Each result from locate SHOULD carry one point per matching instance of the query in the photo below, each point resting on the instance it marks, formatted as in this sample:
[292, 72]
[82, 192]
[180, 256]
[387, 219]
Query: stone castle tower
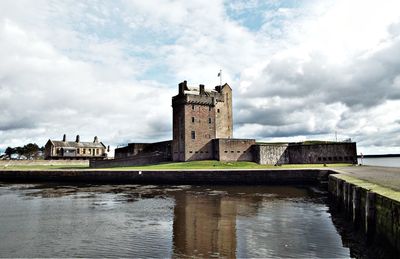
[199, 116]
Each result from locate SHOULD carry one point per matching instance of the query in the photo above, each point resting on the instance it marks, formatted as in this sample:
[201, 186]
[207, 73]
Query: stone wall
[300, 153]
[274, 176]
[178, 132]
[375, 215]
[327, 153]
[223, 113]
[134, 149]
[138, 160]
[199, 120]
[271, 154]
[234, 149]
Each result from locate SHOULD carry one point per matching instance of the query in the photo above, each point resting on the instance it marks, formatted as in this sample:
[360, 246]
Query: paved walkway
[384, 176]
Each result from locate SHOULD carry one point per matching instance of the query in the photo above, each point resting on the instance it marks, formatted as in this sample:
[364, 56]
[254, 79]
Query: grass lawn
[213, 164]
[205, 164]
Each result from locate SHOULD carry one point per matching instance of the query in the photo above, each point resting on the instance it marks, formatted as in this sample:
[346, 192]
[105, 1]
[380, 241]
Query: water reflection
[165, 221]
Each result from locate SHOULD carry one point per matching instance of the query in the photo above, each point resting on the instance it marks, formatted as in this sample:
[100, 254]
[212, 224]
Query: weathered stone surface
[375, 214]
[271, 154]
[234, 149]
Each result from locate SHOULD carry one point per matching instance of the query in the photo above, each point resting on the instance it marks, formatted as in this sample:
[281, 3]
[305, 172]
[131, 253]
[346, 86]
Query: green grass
[213, 164]
[205, 164]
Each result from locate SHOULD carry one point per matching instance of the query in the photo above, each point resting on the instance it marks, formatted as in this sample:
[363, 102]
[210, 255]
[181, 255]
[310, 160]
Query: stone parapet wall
[326, 153]
[300, 153]
[145, 159]
[234, 149]
[271, 154]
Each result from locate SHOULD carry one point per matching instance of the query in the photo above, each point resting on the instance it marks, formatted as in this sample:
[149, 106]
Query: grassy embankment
[207, 164]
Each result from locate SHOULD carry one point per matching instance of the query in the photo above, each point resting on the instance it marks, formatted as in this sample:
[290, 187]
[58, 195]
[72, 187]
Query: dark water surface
[175, 221]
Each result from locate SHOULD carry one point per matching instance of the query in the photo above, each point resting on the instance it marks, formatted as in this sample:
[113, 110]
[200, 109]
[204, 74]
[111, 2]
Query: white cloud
[109, 69]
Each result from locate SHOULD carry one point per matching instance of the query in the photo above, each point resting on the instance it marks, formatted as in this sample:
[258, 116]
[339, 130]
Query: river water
[380, 161]
[56, 220]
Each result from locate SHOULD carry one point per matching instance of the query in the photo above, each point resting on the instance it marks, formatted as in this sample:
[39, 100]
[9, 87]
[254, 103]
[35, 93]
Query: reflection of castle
[204, 225]
[203, 130]
[207, 224]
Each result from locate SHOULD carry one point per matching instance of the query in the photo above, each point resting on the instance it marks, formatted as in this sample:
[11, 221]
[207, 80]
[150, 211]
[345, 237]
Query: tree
[9, 151]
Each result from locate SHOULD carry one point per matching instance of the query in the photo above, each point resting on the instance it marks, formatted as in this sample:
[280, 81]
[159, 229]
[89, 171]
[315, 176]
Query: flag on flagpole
[219, 74]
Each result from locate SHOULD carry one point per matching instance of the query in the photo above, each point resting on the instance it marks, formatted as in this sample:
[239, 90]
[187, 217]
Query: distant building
[202, 129]
[63, 149]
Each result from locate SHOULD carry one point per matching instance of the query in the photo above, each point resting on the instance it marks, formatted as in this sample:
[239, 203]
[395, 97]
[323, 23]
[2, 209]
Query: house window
[209, 108]
[193, 135]
[192, 119]
[218, 110]
[84, 151]
[209, 120]
[97, 151]
[192, 106]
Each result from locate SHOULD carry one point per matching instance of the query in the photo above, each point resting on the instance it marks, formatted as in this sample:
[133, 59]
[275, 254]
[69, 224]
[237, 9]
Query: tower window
[209, 120]
[193, 135]
[218, 110]
[193, 119]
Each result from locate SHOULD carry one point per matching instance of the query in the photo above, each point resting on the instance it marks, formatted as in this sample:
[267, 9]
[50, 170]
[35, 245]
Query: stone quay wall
[275, 176]
[376, 215]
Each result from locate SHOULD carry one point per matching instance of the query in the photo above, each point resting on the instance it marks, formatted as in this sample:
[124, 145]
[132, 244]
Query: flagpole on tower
[220, 77]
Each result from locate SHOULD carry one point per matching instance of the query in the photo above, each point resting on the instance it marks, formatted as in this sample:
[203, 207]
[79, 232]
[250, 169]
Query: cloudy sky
[299, 69]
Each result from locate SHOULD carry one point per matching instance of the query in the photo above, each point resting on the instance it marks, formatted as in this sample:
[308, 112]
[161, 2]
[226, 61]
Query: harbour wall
[275, 176]
[376, 215]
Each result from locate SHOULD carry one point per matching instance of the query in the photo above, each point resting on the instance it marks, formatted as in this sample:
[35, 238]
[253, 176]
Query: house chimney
[77, 139]
[202, 90]
[108, 148]
[64, 138]
[96, 140]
